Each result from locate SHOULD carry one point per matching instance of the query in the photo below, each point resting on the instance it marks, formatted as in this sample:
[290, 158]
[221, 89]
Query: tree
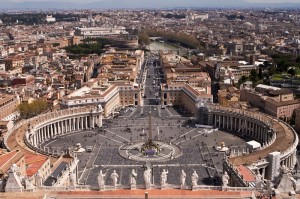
[144, 39]
[260, 74]
[30, 110]
[292, 71]
[272, 70]
[253, 75]
[242, 80]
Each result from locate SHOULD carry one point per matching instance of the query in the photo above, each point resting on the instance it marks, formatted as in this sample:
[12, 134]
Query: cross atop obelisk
[150, 127]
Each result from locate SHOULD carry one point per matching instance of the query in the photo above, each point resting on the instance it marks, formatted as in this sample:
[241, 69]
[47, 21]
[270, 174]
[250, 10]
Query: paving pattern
[196, 145]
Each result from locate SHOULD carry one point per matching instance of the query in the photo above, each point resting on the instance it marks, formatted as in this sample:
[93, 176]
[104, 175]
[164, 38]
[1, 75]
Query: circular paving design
[168, 151]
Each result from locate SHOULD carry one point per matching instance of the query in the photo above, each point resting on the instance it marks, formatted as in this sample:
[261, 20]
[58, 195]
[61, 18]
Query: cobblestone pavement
[196, 144]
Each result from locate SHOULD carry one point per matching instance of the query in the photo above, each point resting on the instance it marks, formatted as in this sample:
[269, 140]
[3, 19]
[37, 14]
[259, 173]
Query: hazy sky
[84, 1]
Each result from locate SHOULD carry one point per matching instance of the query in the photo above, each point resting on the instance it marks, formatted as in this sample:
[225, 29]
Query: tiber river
[162, 46]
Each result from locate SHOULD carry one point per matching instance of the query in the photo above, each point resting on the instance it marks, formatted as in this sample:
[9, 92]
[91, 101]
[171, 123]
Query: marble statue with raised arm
[101, 179]
[163, 177]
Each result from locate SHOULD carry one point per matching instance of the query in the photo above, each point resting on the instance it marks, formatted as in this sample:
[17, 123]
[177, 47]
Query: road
[153, 80]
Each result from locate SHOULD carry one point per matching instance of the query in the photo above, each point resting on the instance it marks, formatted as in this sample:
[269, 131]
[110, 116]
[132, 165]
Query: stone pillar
[78, 123]
[58, 128]
[227, 122]
[40, 135]
[235, 124]
[100, 120]
[70, 124]
[51, 130]
[47, 132]
[38, 132]
[34, 140]
[55, 129]
[86, 122]
[81, 122]
[43, 133]
[264, 173]
[62, 125]
[73, 124]
[65, 126]
[93, 121]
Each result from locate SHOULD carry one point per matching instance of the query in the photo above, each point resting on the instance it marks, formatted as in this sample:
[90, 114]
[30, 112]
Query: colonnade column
[93, 121]
[55, 128]
[86, 122]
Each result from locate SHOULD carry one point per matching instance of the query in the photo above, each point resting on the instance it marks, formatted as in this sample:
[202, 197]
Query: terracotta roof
[246, 173]
[280, 92]
[283, 103]
[8, 159]
[34, 163]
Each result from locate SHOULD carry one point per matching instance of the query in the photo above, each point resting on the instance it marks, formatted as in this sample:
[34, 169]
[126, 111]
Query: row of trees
[30, 110]
[286, 62]
[144, 39]
[189, 41]
[85, 49]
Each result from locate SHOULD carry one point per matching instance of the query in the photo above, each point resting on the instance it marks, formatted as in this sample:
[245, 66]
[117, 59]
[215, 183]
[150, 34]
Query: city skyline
[115, 4]
[85, 1]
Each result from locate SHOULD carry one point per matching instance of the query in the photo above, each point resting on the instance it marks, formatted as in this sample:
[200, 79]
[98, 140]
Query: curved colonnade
[57, 123]
[273, 134]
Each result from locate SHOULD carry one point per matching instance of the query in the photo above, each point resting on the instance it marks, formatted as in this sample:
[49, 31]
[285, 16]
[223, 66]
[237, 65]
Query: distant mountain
[114, 4]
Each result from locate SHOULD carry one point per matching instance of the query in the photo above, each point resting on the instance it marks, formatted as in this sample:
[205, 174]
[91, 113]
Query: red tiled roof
[6, 157]
[246, 173]
[34, 163]
[6, 160]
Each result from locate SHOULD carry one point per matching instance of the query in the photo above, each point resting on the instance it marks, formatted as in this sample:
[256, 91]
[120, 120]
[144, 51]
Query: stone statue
[101, 179]
[72, 179]
[163, 177]
[114, 176]
[147, 177]
[195, 179]
[283, 169]
[38, 179]
[133, 176]
[258, 177]
[225, 179]
[182, 178]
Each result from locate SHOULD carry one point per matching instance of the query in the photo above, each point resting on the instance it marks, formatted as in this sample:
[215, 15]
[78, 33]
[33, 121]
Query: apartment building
[101, 31]
[121, 65]
[110, 96]
[8, 106]
[12, 63]
[229, 96]
[274, 101]
[185, 95]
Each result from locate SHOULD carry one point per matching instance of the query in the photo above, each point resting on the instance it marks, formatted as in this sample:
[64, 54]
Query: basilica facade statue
[114, 176]
[195, 178]
[163, 177]
[182, 178]
[133, 177]
[147, 177]
[101, 179]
